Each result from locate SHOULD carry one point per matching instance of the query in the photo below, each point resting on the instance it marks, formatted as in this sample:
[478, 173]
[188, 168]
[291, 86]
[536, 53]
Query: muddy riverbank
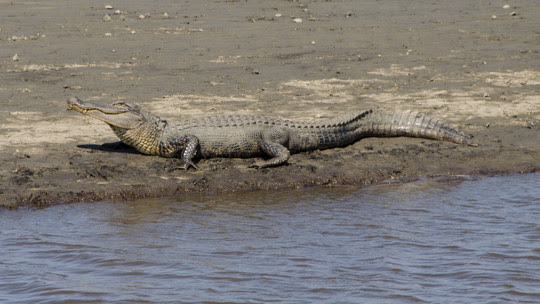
[475, 65]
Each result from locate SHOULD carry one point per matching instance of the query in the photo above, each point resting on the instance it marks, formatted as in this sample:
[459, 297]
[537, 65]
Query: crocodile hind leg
[273, 144]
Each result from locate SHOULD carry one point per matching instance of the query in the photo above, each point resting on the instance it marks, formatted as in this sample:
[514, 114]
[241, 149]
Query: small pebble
[117, 12]
[506, 6]
[512, 14]
[108, 35]
[15, 57]
[109, 7]
[132, 32]
[165, 15]
[278, 15]
[297, 20]
[313, 42]
[141, 16]
[486, 95]
[106, 18]
[493, 17]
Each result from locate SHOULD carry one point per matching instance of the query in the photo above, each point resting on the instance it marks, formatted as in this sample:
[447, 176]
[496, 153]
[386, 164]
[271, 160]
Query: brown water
[476, 241]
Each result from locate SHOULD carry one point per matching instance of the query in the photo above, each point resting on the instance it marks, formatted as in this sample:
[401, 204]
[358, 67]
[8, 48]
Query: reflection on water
[423, 242]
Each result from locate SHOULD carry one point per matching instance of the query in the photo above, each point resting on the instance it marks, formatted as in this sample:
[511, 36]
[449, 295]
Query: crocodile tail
[415, 124]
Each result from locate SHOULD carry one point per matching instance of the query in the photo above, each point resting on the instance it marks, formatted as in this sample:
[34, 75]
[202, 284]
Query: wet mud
[475, 65]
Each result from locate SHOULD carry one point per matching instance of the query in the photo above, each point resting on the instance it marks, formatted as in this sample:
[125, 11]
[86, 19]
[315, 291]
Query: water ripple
[421, 242]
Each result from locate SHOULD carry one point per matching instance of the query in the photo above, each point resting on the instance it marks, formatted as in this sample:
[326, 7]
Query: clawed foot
[185, 167]
[256, 165]
[266, 164]
[190, 164]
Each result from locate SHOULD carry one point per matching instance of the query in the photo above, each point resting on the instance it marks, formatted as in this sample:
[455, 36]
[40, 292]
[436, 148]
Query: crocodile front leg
[188, 144]
[273, 144]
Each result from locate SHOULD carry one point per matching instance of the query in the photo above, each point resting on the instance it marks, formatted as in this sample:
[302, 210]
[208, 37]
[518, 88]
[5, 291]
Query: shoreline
[452, 61]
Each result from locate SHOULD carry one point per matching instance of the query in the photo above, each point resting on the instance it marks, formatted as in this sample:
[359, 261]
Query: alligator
[258, 136]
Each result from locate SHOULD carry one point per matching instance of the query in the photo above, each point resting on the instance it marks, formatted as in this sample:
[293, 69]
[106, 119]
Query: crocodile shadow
[118, 147]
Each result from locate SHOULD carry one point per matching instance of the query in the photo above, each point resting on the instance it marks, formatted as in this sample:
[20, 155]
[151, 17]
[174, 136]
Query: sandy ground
[475, 64]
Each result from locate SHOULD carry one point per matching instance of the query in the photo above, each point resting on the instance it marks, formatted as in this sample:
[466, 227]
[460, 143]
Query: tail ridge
[416, 124]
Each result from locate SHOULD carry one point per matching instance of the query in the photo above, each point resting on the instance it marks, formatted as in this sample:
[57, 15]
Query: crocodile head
[135, 127]
[120, 114]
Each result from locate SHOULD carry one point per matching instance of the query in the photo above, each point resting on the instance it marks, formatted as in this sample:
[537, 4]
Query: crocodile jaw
[119, 115]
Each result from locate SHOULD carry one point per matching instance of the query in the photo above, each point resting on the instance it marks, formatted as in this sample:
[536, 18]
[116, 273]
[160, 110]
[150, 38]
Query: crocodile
[258, 136]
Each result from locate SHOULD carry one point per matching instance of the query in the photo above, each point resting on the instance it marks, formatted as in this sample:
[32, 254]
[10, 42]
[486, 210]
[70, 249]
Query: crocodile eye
[127, 106]
[120, 104]
[133, 107]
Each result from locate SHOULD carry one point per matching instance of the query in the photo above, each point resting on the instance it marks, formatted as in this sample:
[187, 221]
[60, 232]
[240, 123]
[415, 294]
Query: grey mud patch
[227, 57]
